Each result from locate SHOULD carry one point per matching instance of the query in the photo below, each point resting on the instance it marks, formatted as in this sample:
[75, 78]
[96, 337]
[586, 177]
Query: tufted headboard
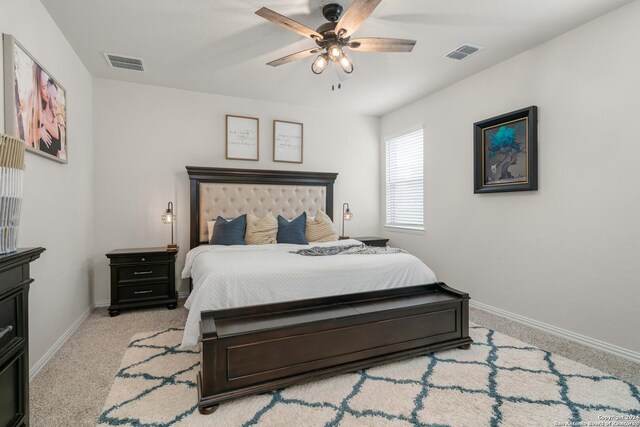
[232, 192]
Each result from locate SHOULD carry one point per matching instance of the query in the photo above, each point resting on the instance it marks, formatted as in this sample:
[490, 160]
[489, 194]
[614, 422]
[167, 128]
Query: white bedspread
[237, 276]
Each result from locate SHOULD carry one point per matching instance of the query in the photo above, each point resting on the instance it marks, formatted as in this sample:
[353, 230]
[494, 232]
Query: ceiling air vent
[119, 61]
[463, 51]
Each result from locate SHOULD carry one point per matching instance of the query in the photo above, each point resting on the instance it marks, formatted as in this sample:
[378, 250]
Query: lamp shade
[348, 215]
[319, 64]
[346, 64]
[335, 52]
[168, 216]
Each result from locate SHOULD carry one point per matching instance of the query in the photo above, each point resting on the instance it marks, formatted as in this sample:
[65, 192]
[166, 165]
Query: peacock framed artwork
[506, 152]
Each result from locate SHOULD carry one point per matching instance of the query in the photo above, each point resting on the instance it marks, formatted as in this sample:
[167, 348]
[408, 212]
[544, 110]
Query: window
[405, 180]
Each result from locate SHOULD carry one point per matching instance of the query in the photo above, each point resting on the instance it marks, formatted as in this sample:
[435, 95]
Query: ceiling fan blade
[354, 16]
[377, 44]
[294, 57]
[288, 23]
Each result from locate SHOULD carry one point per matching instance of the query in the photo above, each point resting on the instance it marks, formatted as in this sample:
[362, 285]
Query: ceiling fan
[334, 36]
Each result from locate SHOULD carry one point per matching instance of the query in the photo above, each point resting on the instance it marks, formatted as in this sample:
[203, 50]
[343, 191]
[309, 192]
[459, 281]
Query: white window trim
[393, 228]
[407, 230]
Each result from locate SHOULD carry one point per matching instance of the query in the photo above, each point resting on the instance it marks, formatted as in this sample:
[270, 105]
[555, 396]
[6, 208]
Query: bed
[239, 276]
[234, 285]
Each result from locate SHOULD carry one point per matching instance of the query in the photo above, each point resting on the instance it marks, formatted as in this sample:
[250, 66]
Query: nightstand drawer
[13, 405]
[11, 328]
[151, 291]
[143, 272]
[140, 259]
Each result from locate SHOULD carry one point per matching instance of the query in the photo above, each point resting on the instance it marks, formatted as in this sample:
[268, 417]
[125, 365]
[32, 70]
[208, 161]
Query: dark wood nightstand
[142, 277]
[373, 241]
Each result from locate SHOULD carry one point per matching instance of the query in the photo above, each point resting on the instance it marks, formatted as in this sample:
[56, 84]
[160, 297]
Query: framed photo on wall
[35, 103]
[506, 152]
[287, 141]
[242, 141]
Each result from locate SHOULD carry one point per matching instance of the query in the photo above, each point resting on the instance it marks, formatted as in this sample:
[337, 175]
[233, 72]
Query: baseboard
[563, 333]
[58, 344]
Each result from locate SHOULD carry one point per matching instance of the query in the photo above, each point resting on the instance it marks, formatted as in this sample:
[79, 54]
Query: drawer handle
[140, 273]
[5, 331]
[142, 292]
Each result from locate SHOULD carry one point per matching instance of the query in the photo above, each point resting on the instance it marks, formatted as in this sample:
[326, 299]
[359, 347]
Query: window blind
[405, 180]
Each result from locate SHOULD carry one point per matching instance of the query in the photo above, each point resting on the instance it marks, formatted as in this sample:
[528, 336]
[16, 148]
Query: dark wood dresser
[372, 241]
[142, 277]
[14, 336]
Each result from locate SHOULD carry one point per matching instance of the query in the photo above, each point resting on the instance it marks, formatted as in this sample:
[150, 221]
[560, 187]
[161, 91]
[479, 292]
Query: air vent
[456, 55]
[463, 51]
[127, 63]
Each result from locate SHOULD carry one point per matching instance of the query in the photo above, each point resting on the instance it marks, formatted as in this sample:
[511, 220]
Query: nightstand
[142, 277]
[372, 241]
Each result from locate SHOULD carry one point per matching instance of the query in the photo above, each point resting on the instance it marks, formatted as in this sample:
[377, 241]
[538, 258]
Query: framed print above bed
[242, 138]
[35, 103]
[287, 141]
[506, 152]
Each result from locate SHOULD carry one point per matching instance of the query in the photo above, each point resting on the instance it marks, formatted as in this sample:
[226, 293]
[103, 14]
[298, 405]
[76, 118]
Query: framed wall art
[506, 152]
[242, 138]
[287, 141]
[35, 103]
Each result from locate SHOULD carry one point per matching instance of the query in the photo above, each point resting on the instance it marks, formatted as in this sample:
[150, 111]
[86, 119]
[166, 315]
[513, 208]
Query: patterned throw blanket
[348, 250]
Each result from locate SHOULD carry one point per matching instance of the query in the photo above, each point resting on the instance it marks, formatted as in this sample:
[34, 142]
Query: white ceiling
[221, 46]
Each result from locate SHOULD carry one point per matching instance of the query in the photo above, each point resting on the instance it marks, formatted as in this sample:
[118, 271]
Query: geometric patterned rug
[500, 381]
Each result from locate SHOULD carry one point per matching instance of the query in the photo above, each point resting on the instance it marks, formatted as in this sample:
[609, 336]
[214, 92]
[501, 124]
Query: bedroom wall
[57, 206]
[146, 135]
[567, 254]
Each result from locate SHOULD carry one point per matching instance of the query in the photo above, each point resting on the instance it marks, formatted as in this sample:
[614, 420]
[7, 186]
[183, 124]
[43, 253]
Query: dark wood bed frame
[199, 175]
[250, 350]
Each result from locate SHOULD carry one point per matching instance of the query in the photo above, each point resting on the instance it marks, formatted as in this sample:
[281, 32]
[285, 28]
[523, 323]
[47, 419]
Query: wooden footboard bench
[255, 349]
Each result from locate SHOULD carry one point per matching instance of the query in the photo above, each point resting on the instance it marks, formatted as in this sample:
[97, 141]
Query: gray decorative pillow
[229, 232]
[292, 231]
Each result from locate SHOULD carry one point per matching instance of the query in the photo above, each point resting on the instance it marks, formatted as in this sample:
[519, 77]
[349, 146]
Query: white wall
[146, 135]
[57, 206]
[566, 255]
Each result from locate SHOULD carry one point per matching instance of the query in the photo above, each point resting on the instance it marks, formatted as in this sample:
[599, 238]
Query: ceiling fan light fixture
[319, 64]
[346, 64]
[334, 35]
[335, 52]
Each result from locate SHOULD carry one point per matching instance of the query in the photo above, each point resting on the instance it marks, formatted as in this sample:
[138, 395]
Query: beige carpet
[71, 388]
[500, 381]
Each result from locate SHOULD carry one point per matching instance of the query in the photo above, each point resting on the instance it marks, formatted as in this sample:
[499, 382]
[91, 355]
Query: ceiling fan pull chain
[333, 80]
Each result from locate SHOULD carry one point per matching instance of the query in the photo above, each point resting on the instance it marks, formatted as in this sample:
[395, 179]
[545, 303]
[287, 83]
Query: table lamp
[168, 217]
[346, 216]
